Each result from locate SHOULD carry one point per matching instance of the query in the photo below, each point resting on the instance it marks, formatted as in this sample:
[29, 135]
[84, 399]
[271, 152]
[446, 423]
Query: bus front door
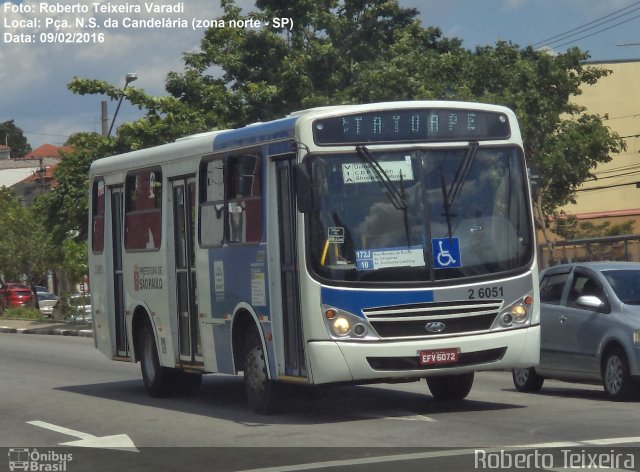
[292, 324]
[117, 220]
[184, 211]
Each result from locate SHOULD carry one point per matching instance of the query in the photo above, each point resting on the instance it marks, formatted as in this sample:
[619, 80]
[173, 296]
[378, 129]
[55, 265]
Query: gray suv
[590, 328]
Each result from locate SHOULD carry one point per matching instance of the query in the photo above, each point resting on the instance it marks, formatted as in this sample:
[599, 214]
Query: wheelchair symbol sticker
[446, 253]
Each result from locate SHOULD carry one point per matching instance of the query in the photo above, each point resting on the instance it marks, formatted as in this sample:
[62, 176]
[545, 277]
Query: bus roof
[196, 145]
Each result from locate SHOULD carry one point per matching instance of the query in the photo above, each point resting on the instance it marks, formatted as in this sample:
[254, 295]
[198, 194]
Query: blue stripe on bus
[354, 301]
[255, 134]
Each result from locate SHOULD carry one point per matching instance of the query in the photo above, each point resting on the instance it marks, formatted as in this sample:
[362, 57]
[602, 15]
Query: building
[33, 173]
[615, 194]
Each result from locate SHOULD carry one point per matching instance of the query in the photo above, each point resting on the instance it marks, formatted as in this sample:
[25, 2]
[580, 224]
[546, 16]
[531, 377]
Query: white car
[47, 302]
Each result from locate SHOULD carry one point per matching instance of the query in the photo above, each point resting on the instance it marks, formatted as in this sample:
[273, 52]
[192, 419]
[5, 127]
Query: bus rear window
[97, 217]
[143, 210]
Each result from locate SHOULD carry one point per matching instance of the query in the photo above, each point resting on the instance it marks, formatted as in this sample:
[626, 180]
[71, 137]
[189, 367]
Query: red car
[16, 295]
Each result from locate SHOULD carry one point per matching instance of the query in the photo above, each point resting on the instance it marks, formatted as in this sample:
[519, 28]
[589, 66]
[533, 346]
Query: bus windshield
[424, 215]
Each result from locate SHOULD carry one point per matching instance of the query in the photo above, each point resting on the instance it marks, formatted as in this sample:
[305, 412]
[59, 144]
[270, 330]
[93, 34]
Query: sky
[35, 68]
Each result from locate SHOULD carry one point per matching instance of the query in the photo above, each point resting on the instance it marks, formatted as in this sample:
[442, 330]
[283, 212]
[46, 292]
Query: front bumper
[339, 361]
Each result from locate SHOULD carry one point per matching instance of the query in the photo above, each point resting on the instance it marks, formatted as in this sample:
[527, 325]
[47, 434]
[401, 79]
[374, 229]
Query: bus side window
[212, 203]
[97, 217]
[244, 199]
[143, 210]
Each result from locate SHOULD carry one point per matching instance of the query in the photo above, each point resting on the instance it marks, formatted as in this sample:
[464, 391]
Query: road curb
[87, 333]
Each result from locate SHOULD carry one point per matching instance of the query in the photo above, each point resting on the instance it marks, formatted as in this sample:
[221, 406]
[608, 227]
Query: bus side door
[292, 323]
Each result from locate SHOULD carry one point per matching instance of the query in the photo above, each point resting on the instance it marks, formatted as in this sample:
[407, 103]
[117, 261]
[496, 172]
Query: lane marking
[118, 441]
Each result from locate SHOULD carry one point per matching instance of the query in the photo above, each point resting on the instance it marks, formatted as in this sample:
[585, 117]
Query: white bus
[345, 244]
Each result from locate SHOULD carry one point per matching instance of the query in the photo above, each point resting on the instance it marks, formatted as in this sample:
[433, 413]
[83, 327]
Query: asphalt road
[59, 393]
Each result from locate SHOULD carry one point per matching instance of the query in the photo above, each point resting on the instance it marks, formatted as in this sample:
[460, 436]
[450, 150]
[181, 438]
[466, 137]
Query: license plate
[439, 356]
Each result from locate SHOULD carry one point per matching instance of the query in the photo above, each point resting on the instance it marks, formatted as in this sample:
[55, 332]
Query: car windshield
[425, 215]
[626, 284]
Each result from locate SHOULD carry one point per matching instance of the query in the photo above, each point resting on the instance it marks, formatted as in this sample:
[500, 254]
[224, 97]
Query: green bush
[23, 313]
[66, 309]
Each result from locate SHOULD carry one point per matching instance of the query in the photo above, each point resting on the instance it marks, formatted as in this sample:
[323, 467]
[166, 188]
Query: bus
[344, 244]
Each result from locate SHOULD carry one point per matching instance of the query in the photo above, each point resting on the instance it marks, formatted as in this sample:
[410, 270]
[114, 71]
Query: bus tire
[450, 387]
[260, 390]
[157, 379]
[527, 380]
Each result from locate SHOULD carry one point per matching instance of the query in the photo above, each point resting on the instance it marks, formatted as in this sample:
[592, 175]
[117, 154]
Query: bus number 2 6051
[486, 292]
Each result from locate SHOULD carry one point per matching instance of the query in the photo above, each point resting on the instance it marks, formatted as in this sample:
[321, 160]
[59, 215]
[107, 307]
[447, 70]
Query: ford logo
[435, 327]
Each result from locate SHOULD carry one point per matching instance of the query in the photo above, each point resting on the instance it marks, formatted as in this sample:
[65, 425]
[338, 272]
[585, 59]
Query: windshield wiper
[461, 174]
[449, 197]
[396, 197]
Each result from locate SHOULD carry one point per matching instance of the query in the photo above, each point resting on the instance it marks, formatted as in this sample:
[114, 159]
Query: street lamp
[128, 78]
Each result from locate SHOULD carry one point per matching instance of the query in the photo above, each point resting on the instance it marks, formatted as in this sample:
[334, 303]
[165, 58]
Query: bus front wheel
[260, 390]
[450, 387]
[157, 379]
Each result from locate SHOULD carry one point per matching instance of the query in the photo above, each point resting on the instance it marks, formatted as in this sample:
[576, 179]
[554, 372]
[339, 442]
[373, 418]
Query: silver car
[590, 328]
[47, 302]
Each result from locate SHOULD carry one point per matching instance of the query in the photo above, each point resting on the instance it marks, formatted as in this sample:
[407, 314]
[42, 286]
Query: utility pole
[104, 119]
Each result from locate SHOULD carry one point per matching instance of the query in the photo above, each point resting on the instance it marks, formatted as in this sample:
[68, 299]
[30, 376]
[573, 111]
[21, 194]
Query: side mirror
[590, 302]
[304, 190]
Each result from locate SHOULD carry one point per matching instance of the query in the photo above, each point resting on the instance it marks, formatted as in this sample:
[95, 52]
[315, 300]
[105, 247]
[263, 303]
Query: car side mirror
[590, 302]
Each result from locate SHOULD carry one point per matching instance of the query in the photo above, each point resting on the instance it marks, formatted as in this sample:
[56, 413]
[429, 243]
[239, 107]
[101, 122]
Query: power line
[618, 169]
[617, 176]
[551, 41]
[607, 187]
[595, 32]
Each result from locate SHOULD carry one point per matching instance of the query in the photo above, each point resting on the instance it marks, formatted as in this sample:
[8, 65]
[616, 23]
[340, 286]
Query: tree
[12, 136]
[65, 208]
[75, 264]
[319, 62]
[26, 247]
[570, 228]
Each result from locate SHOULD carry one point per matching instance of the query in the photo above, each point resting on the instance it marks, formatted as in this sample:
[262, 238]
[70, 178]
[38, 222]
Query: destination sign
[412, 125]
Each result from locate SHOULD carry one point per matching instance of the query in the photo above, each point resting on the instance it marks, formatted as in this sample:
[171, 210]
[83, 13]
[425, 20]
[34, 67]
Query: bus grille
[426, 320]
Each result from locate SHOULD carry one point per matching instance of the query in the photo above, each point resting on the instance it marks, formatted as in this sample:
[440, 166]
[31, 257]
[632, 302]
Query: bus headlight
[340, 326]
[346, 326]
[636, 337]
[517, 313]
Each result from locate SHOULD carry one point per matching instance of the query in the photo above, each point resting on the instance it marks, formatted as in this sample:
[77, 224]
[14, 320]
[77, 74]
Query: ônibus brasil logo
[23, 458]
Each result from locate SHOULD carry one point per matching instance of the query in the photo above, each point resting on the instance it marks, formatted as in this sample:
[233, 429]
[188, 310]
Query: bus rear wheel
[260, 390]
[450, 387]
[157, 379]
